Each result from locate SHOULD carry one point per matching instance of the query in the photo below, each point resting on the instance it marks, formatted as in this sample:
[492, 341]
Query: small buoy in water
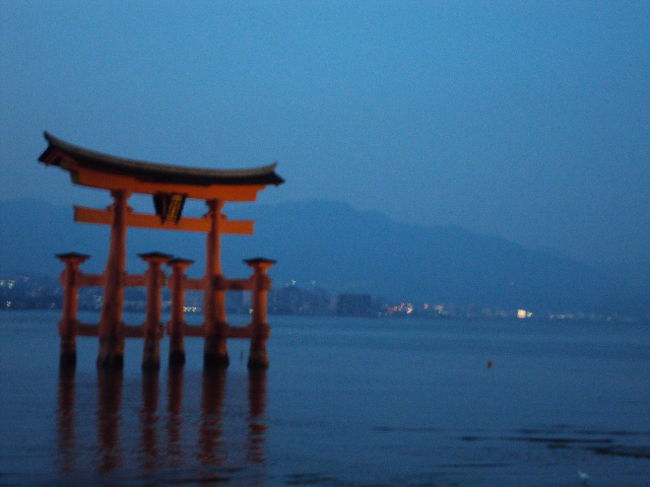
[490, 364]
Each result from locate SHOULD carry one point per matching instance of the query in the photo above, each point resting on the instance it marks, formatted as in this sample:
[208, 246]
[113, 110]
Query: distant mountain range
[332, 245]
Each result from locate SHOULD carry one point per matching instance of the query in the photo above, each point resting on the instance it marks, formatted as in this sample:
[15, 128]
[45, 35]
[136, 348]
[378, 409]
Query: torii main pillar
[111, 337]
[214, 300]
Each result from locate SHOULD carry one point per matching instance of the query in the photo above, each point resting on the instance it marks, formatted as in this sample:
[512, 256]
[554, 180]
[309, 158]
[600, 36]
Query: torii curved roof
[62, 154]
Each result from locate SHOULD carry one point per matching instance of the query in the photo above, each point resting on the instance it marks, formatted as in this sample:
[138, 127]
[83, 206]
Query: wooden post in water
[215, 353]
[69, 321]
[177, 322]
[111, 328]
[258, 359]
[152, 330]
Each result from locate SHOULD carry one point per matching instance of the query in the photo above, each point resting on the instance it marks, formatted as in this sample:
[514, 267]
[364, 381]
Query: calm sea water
[346, 402]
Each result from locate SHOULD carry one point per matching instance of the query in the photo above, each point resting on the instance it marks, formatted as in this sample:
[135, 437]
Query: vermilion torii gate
[170, 186]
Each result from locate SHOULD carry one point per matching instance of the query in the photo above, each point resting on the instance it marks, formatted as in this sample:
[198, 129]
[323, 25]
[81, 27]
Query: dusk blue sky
[526, 120]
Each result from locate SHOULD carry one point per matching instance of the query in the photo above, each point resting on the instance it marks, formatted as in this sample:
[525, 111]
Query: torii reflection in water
[135, 435]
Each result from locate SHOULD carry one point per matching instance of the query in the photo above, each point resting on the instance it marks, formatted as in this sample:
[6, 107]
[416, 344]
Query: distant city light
[406, 308]
[522, 314]
[10, 283]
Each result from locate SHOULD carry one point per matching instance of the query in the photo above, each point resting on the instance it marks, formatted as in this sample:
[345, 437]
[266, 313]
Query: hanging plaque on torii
[169, 186]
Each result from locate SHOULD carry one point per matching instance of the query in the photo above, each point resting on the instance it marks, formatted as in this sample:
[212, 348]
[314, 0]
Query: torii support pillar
[258, 359]
[69, 322]
[215, 353]
[177, 321]
[111, 328]
[152, 329]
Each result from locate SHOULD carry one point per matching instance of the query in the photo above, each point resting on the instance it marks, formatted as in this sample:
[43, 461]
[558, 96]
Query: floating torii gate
[170, 186]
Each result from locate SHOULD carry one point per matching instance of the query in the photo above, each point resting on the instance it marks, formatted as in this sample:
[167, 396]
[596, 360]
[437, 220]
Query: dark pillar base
[111, 362]
[176, 357]
[258, 361]
[110, 355]
[151, 363]
[215, 360]
[68, 360]
[215, 353]
[151, 354]
[68, 349]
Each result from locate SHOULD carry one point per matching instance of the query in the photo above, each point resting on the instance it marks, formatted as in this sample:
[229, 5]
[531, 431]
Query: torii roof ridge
[152, 171]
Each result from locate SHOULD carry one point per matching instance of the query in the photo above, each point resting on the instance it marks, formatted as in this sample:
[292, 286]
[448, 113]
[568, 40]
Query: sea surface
[346, 402]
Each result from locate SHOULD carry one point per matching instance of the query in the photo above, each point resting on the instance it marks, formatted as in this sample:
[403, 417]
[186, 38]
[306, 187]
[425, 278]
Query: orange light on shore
[522, 314]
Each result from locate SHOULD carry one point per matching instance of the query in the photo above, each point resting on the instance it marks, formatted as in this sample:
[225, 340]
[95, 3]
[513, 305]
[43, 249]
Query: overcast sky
[527, 120]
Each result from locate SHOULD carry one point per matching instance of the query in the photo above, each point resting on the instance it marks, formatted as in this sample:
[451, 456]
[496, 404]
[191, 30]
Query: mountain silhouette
[342, 249]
